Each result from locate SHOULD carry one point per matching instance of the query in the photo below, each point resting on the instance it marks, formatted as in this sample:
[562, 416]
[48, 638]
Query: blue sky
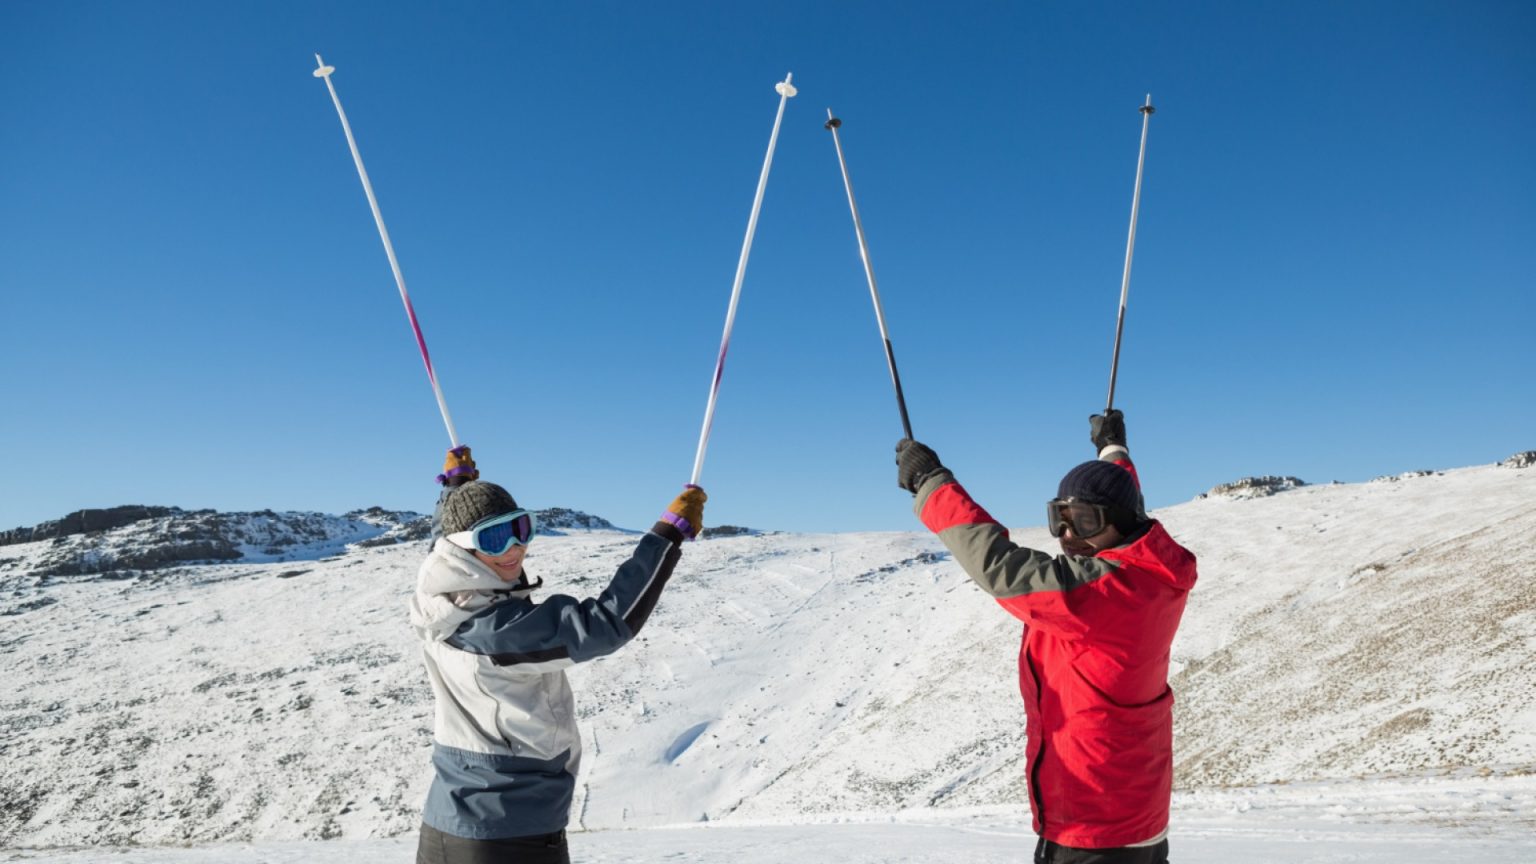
[1332, 272]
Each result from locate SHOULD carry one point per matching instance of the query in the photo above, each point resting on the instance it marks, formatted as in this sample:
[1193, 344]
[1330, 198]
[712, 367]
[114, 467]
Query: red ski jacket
[1093, 666]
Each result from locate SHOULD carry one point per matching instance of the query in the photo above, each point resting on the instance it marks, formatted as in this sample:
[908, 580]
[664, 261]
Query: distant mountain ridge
[82, 521]
[124, 540]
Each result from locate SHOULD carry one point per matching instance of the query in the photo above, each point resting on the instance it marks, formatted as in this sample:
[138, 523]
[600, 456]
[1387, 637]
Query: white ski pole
[1130, 246]
[869, 273]
[324, 72]
[785, 90]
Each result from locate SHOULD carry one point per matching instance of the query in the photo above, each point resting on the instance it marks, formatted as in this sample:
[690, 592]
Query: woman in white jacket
[505, 744]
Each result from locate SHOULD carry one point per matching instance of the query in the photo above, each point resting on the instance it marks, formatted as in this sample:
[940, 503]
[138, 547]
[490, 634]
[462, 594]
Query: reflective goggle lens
[502, 533]
[1083, 518]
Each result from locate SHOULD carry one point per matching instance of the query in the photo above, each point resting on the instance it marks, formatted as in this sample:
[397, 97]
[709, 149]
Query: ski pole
[324, 72]
[869, 273]
[1130, 246]
[785, 90]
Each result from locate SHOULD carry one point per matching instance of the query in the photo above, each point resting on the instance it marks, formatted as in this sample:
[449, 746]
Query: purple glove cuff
[679, 523]
[442, 479]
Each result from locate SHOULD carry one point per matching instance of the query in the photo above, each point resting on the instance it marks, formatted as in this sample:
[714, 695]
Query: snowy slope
[1337, 631]
[1375, 822]
[1362, 629]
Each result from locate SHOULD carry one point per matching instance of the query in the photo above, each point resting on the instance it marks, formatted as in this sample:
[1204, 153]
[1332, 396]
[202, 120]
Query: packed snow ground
[786, 682]
[1359, 822]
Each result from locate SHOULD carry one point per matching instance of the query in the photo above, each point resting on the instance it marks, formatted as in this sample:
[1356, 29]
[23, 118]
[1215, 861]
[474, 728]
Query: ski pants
[1047, 852]
[435, 847]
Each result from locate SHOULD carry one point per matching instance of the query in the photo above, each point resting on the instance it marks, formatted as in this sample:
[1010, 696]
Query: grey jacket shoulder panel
[1004, 569]
[983, 549]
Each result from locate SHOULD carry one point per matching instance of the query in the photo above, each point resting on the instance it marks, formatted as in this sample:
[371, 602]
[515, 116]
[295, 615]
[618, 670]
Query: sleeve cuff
[928, 486]
[667, 531]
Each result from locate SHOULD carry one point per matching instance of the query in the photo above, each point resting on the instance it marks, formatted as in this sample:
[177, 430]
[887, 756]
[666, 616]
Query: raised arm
[1107, 432]
[1028, 583]
[458, 469]
[563, 630]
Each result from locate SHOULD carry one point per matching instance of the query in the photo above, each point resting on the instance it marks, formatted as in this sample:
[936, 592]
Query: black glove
[1107, 429]
[914, 464]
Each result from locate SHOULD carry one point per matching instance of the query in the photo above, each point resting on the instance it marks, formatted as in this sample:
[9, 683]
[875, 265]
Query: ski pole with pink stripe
[324, 72]
[785, 90]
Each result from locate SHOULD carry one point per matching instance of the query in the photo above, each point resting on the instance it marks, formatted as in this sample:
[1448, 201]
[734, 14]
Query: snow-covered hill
[128, 542]
[1337, 631]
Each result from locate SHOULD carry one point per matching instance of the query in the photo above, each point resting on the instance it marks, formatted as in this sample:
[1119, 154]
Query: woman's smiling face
[508, 565]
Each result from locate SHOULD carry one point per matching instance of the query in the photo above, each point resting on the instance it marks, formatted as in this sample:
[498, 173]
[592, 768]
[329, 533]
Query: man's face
[509, 564]
[1068, 518]
[1089, 546]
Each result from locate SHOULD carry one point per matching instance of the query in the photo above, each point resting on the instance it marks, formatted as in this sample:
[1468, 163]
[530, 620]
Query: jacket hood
[451, 586]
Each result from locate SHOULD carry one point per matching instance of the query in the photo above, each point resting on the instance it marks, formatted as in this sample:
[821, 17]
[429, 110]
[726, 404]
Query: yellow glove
[458, 467]
[686, 512]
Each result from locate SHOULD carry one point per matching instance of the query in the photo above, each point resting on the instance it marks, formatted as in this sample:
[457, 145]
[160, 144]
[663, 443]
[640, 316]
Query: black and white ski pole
[833, 124]
[785, 90]
[1130, 246]
[324, 72]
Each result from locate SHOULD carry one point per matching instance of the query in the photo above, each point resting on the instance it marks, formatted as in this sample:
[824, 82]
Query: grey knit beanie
[473, 502]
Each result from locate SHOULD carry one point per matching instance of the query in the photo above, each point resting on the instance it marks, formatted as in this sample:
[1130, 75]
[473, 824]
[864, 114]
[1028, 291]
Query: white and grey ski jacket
[506, 748]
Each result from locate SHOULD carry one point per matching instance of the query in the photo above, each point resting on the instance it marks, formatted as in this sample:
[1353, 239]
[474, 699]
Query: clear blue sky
[1332, 274]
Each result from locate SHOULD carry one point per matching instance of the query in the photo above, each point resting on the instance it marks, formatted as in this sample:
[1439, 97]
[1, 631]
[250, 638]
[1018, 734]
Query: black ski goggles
[494, 536]
[1083, 518]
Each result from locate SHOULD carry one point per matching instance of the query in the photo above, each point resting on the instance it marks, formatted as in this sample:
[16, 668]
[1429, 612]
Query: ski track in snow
[792, 692]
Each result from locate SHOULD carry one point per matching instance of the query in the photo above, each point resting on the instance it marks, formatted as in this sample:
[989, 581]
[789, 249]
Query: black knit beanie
[473, 502]
[1105, 483]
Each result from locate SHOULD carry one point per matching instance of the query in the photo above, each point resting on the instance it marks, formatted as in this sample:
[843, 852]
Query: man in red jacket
[1093, 667]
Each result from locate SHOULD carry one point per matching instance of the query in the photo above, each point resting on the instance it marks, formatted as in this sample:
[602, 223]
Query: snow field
[851, 692]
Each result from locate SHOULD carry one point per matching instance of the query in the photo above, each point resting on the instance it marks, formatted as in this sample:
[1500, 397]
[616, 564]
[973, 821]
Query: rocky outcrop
[727, 531]
[84, 522]
[125, 541]
[175, 537]
[1406, 475]
[560, 517]
[401, 527]
[1254, 487]
[1526, 459]
[91, 559]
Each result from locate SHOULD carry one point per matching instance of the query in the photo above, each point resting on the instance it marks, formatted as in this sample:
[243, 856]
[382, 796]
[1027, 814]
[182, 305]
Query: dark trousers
[1047, 852]
[435, 847]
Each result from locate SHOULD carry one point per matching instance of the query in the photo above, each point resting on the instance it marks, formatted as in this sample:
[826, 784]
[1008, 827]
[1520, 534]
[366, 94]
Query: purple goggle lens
[495, 536]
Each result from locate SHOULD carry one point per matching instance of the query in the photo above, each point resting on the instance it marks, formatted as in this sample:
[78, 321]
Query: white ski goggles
[494, 536]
